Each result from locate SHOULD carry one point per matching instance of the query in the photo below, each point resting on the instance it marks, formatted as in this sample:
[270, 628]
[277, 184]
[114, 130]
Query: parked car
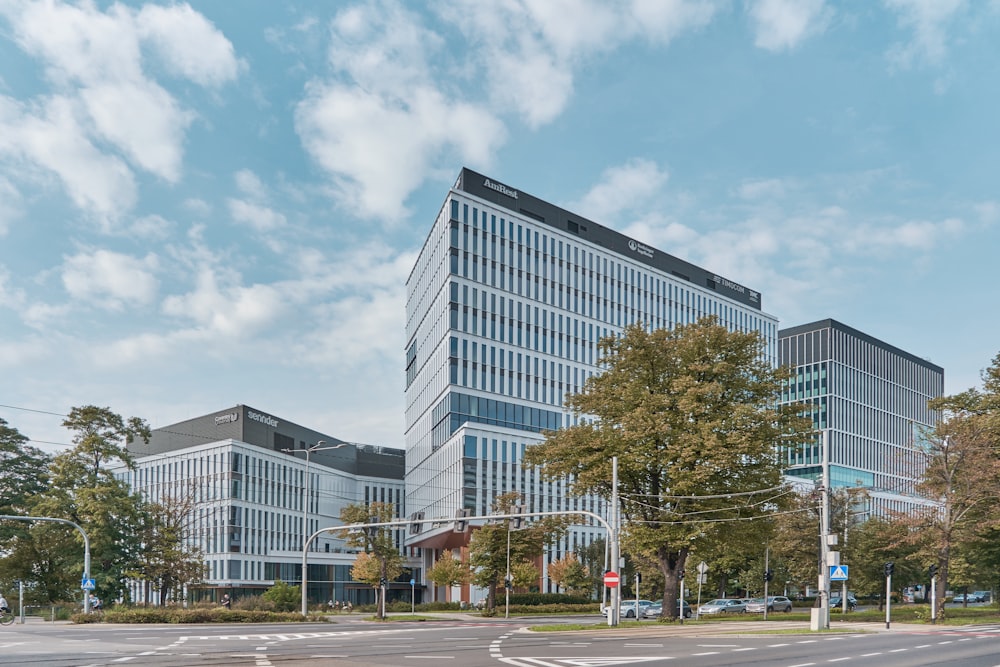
[627, 609]
[656, 609]
[984, 596]
[722, 606]
[835, 601]
[774, 603]
[966, 597]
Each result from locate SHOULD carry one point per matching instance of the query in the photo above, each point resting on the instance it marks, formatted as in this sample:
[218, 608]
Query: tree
[488, 548]
[449, 571]
[377, 542]
[84, 489]
[570, 573]
[692, 416]
[593, 558]
[171, 559]
[23, 475]
[963, 475]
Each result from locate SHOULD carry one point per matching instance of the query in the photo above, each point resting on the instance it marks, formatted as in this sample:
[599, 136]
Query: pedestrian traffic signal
[889, 569]
[768, 575]
[680, 575]
[383, 582]
[932, 571]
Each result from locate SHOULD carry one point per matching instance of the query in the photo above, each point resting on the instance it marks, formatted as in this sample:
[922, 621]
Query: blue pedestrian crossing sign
[88, 584]
[838, 573]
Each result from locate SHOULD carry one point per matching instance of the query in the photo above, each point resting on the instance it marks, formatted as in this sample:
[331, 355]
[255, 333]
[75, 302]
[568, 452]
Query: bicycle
[6, 617]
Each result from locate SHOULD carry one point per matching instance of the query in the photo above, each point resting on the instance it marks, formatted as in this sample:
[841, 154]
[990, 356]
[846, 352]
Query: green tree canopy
[488, 548]
[692, 415]
[383, 560]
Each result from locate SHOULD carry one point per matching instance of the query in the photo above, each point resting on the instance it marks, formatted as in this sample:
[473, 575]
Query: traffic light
[768, 575]
[461, 521]
[680, 575]
[932, 571]
[416, 523]
[509, 584]
[517, 522]
[889, 569]
[383, 582]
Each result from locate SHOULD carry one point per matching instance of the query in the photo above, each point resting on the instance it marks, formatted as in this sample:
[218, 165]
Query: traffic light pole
[888, 594]
[933, 599]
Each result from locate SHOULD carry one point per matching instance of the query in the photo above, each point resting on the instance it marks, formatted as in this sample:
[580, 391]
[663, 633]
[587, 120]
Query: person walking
[226, 602]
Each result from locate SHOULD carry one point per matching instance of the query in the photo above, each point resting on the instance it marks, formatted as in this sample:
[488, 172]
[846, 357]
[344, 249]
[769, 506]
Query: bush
[284, 596]
[533, 599]
[197, 614]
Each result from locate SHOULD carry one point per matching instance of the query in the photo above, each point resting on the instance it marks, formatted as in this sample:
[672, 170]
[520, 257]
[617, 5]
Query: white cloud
[260, 218]
[379, 148]
[189, 45]
[250, 185]
[10, 297]
[93, 60]
[398, 103]
[10, 203]
[109, 279]
[762, 189]
[151, 227]
[219, 307]
[528, 52]
[929, 21]
[784, 24]
[622, 188]
[50, 135]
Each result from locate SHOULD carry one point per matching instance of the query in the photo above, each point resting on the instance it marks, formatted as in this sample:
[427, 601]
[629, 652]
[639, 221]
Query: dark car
[655, 610]
[836, 603]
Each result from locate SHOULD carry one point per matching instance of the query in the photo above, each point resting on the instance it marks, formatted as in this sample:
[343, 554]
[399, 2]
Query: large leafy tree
[693, 418]
[23, 475]
[171, 559]
[382, 560]
[962, 474]
[488, 549]
[84, 489]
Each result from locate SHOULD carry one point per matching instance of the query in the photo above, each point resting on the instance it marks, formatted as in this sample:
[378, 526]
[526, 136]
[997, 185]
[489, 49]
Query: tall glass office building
[871, 398]
[505, 307]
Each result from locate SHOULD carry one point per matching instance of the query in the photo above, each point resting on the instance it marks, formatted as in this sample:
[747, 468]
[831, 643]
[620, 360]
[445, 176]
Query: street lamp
[318, 447]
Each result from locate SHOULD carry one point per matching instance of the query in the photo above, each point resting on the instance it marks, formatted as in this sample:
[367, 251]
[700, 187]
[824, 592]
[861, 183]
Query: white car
[627, 609]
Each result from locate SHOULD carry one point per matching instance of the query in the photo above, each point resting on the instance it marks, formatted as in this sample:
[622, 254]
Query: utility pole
[615, 609]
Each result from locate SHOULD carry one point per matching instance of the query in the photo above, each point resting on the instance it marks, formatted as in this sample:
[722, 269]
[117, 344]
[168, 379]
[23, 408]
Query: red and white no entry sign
[611, 579]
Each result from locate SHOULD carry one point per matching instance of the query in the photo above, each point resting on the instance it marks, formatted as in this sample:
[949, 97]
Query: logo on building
[501, 188]
[729, 284]
[227, 419]
[640, 248]
[263, 419]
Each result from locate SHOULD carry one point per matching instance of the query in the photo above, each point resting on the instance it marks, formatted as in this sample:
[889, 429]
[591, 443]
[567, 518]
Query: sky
[218, 203]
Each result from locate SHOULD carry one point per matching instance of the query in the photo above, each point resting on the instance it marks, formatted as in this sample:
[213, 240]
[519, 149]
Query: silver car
[774, 603]
[722, 606]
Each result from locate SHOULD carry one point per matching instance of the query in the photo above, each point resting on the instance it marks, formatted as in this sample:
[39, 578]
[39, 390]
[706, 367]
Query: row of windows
[457, 408]
[583, 274]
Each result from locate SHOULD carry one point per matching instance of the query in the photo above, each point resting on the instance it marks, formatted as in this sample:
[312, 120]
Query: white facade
[505, 307]
[247, 517]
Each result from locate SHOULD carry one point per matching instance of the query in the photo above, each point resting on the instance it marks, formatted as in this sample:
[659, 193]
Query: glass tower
[505, 306]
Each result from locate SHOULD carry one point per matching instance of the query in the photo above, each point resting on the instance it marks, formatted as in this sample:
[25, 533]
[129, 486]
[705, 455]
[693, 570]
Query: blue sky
[219, 203]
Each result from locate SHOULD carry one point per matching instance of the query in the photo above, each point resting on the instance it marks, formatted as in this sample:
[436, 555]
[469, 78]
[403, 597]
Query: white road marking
[837, 659]
[868, 655]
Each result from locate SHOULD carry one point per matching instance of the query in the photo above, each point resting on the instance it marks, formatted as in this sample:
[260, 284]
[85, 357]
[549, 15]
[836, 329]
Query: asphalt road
[477, 643]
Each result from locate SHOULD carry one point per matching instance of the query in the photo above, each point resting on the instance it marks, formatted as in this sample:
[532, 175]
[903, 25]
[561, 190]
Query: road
[478, 643]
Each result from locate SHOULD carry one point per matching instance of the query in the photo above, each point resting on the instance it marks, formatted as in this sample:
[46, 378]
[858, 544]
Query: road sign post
[611, 579]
